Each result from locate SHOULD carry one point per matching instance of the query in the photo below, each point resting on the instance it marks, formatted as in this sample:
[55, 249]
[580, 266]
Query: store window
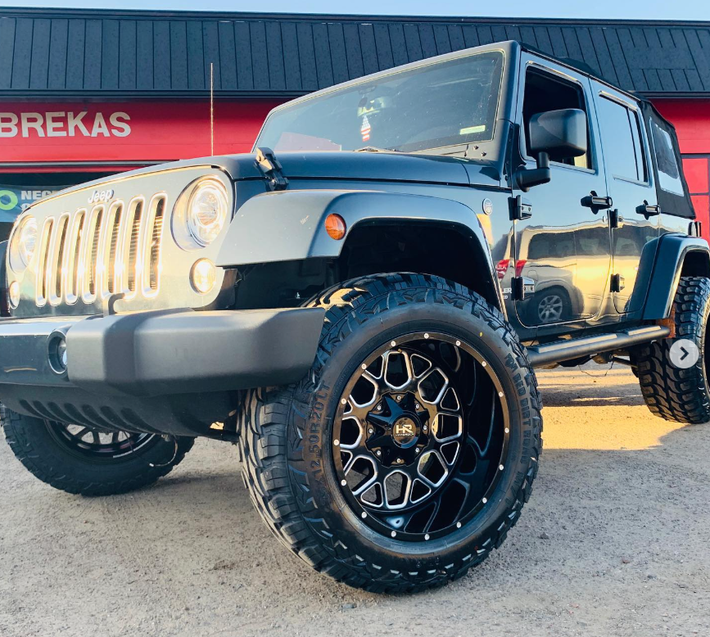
[18, 191]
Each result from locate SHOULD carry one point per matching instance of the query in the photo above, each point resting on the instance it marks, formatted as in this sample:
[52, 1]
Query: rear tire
[294, 467]
[680, 395]
[81, 465]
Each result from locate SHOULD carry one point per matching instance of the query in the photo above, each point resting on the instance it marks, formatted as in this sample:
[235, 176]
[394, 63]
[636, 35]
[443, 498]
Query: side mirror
[561, 134]
[553, 135]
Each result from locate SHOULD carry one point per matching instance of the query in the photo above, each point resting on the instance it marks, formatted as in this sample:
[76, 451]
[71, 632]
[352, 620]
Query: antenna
[211, 108]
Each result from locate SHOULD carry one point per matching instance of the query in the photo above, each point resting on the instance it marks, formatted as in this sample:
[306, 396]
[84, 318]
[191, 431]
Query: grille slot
[114, 224]
[72, 259]
[132, 256]
[57, 247]
[93, 254]
[154, 236]
[90, 241]
[42, 270]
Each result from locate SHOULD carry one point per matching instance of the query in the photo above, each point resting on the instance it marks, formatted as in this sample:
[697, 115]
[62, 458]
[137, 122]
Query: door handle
[648, 210]
[596, 203]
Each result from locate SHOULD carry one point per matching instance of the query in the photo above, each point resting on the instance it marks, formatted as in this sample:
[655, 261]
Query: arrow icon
[684, 353]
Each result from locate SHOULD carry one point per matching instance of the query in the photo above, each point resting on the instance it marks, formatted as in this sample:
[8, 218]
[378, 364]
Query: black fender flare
[290, 225]
[673, 251]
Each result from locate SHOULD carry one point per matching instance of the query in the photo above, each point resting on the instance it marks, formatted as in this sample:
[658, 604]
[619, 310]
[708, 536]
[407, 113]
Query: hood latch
[271, 168]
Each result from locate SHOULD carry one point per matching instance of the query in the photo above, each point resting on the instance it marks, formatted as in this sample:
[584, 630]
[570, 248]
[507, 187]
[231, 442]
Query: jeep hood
[340, 166]
[370, 166]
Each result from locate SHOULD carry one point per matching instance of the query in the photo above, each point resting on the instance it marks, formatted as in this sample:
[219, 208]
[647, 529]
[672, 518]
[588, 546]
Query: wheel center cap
[405, 432]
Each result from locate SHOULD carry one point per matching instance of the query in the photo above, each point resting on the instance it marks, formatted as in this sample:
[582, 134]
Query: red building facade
[691, 119]
[89, 93]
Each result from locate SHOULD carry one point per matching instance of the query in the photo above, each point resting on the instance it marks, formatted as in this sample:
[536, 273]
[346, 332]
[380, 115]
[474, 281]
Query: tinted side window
[623, 151]
[546, 92]
[668, 172]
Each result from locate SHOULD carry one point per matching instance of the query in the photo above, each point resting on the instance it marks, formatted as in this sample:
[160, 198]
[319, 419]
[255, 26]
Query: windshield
[440, 104]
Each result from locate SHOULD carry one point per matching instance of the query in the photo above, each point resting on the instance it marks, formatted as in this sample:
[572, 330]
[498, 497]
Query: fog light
[14, 294]
[58, 353]
[203, 276]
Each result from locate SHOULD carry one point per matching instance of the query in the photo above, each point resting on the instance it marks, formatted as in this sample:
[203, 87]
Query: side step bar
[592, 345]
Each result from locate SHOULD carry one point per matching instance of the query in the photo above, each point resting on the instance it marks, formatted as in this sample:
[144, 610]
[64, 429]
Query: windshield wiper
[374, 149]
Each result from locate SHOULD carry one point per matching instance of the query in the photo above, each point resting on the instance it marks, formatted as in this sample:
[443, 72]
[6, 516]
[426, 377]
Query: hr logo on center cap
[684, 353]
[404, 431]
[403, 428]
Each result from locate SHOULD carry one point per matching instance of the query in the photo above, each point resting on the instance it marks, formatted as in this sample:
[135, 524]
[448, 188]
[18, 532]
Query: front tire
[87, 461]
[297, 470]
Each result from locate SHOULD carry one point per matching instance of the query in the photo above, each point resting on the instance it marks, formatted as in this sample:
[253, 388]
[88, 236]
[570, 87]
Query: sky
[610, 9]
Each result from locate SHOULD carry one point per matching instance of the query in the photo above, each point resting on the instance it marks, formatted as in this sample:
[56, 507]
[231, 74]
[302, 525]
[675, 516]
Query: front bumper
[147, 360]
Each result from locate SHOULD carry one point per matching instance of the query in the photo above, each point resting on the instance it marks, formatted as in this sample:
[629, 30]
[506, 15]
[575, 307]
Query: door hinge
[615, 219]
[519, 209]
[271, 168]
[617, 283]
[520, 286]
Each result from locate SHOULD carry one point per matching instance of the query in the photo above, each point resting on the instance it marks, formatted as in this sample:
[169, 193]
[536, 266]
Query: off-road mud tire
[47, 459]
[680, 395]
[286, 446]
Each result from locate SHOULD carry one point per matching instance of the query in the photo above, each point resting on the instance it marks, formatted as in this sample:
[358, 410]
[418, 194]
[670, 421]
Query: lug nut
[371, 430]
[418, 449]
[425, 428]
[379, 407]
[378, 452]
[417, 406]
[398, 398]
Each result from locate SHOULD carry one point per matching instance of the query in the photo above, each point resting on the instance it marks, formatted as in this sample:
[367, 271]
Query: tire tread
[281, 492]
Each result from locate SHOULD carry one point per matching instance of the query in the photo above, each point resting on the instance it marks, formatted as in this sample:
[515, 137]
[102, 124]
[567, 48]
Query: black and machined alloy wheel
[406, 454]
[88, 461]
[673, 393]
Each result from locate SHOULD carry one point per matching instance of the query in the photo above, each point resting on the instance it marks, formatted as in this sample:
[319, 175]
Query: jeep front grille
[92, 254]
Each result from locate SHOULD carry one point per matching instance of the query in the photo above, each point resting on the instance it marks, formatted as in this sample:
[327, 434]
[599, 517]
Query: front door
[631, 188]
[563, 252]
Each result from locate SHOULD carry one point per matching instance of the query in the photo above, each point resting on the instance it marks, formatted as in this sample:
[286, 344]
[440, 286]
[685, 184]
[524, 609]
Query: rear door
[633, 217]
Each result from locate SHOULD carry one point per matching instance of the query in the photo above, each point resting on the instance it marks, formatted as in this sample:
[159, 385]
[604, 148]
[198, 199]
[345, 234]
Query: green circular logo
[8, 200]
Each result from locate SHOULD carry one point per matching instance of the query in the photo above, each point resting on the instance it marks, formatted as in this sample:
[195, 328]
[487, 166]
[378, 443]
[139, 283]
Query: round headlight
[207, 211]
[24, 243]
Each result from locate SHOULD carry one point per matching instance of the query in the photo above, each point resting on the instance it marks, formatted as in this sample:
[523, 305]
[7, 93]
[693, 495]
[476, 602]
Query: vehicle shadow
[618, 526]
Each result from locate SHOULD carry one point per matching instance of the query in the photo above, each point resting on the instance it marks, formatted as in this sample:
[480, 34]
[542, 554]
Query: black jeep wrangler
[364, 323]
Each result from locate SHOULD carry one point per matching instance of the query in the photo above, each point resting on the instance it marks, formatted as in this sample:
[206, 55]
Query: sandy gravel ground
[615, 541]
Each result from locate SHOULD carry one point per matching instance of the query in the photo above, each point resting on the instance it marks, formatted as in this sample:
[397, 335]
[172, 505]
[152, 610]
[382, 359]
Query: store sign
[64, 124]
[127, 131]
[14, 200]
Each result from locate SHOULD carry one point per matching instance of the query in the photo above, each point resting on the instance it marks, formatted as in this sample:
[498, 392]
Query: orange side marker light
[335, 226]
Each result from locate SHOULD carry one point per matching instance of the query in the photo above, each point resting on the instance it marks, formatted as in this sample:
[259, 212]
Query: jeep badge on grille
[101, 196]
